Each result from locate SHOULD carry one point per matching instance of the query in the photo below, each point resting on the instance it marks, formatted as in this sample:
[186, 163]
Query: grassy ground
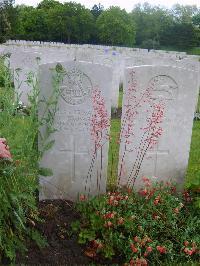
[113, 152]
[120, 99]
[194, 161]
[194, 51]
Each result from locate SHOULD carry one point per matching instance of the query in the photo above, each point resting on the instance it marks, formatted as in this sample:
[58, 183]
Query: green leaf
[45, 172]
[49, 145]
[75, 226]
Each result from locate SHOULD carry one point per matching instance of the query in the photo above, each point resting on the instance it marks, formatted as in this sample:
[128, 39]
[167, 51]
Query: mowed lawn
[193, 172]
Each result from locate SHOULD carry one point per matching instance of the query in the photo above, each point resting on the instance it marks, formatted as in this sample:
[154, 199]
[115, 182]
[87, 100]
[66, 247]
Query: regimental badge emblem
[76, 87]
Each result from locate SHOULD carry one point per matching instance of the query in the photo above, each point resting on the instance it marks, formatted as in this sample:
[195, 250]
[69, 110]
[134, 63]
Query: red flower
[149, 249]
[136, 239]
[157, 200]
[155, 216]
[143, 192]
[133, 248]
[108, 224]
[145, 179]
[120, 221]
[161, 249]
[82, 197]
[176, 210]
[109, 215]
[100, 121]
[188, 251]
[186, 243]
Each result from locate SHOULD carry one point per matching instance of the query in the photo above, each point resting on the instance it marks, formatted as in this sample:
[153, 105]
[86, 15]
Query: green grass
[113, 152]
[198, 105]
[194, 161]
[120, 99]
[194, 51]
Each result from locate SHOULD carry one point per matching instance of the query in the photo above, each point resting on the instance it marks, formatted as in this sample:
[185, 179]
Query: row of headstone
[160, 94]
[103, 56]
[156, 127]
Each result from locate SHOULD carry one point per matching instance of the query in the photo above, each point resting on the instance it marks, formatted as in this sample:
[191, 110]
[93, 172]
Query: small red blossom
[129, 190]
[133, 248]
[136, 239]
[82, 197]
[187, 196]
[143, 192]
[155, 216]
[157, 200]
[188, 251]
[100, 121]
[109, 215]
[108, 224]
[149, 249]
[186, 243]
[145, 179]
[176, 210]
[120, 221]
[161, 249]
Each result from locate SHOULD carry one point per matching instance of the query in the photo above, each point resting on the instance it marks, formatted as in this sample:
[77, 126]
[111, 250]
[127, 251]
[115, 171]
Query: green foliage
[157, 225]
[193, 173]
[19, 178]
[150, 44]
[146, 26]
[97, 10]
[151, 21]
[180, 35]
[116, 27]
[113, 155]
[8, 20]
[51, 20]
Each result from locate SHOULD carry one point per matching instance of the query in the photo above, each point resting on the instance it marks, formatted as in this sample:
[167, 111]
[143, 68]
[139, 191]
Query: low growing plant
[153, 226]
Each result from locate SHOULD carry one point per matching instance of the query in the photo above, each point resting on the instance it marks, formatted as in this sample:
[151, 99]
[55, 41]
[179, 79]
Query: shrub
[19, 179]
[155, 225]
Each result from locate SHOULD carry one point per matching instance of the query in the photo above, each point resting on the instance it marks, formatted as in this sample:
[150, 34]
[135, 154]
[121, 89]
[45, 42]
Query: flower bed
[155, 225]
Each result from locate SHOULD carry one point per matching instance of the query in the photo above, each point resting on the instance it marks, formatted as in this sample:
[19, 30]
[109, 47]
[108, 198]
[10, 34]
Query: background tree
[97, 10]
[116, 27]
[146, 26]
[7, 19]
[151, 21]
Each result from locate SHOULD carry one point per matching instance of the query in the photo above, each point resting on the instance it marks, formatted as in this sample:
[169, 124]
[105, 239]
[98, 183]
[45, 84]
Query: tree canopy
[146, 26]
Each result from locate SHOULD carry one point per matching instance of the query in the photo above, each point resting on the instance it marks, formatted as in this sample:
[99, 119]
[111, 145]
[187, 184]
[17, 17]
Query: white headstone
[80, 154]
[22, 63]
[157, 117]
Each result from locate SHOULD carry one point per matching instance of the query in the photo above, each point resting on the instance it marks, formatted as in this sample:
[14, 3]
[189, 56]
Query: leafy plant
[155, 225]
[19, 179]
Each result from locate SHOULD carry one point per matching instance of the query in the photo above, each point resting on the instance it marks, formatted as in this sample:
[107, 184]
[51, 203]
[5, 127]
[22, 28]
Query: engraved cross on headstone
[157, 153]
[73, 153]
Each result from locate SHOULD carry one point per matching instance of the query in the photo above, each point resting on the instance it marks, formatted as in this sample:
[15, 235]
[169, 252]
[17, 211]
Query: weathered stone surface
[82, 124]
[22, 64]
